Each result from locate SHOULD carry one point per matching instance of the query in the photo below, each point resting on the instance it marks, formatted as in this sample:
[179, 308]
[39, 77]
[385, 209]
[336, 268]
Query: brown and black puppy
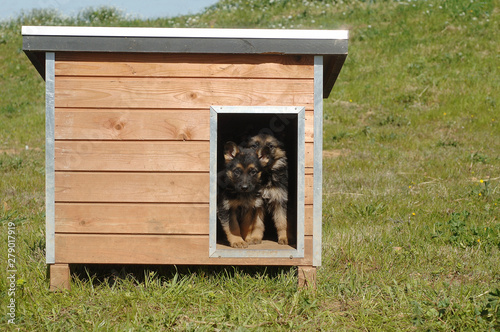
[274, 183]
[240, 207]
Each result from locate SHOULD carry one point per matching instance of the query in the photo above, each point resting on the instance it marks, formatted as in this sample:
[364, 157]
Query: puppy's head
[243, 167]
[264, 141]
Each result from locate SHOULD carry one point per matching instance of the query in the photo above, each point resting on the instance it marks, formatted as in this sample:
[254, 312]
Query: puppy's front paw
[254, 241]
[239, 244]
[283, 240]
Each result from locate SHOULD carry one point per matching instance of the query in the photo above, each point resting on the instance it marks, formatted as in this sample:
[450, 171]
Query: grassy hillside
[411, 184]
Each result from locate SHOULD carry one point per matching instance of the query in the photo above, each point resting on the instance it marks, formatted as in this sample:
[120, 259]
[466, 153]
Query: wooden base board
[156, 249]
[59, 277]
[307, 276]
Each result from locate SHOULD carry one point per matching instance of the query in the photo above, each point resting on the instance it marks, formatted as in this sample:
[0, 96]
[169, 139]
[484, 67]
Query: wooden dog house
[133, 116]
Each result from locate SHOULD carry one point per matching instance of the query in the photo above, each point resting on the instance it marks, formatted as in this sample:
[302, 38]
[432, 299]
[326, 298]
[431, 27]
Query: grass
[411, 185]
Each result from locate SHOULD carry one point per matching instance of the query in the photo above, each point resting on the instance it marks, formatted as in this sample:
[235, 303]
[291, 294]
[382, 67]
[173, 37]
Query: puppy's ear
[264, 155]
[230, 151]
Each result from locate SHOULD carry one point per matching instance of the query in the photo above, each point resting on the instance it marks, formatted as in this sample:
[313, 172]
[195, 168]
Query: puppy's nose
[244, 187]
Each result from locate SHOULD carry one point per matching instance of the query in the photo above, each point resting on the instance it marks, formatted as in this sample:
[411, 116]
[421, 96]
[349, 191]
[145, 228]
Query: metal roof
[332, 44]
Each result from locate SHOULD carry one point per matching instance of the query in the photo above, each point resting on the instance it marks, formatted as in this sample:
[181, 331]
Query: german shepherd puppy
[240, 206]
[274, 181]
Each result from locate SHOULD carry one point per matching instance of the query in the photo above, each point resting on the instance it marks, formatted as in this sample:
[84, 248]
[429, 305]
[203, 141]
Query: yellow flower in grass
[482, 181]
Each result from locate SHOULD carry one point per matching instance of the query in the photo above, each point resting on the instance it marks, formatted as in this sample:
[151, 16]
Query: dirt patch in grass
[335, 153]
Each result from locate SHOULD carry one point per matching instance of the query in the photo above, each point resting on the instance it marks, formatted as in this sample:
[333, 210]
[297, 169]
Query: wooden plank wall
[132, 149]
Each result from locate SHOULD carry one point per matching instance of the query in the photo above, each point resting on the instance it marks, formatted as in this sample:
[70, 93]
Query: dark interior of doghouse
[237, 127]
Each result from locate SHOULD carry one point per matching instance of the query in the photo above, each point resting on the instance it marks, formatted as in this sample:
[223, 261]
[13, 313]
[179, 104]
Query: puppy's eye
[270, 145]
[253, 172]
[254, 145]
[237, 172]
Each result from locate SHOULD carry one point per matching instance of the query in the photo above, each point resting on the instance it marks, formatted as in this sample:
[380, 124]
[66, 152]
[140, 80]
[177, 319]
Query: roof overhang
[331, 44]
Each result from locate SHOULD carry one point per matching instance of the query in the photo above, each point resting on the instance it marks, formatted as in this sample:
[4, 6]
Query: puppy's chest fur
[275, 182]
[232, 201]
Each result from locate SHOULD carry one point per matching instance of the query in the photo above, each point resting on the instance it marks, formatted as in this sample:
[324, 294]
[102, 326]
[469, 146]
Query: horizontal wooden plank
[132, 124]
[141, 187]
[154, 249]
[132, 218]
[141, 156]
[309, 126]
[132, 156]
[141, 218]
[104, 92]
[184, 65]
[132, 187]
[309, 155]
[308, 219]
[308, 189]
[141, 124]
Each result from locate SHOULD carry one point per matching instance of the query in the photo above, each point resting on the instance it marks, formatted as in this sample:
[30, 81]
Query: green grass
[411, 236]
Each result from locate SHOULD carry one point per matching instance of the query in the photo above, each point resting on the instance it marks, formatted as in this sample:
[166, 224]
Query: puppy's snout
[244, 187]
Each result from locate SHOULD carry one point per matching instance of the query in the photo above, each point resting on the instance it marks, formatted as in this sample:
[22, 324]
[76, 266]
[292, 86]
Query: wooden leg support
[307, 276]
[59, 277]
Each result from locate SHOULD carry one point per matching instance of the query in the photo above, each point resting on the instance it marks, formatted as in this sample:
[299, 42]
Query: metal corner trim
[318, 161]
[49, 157]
